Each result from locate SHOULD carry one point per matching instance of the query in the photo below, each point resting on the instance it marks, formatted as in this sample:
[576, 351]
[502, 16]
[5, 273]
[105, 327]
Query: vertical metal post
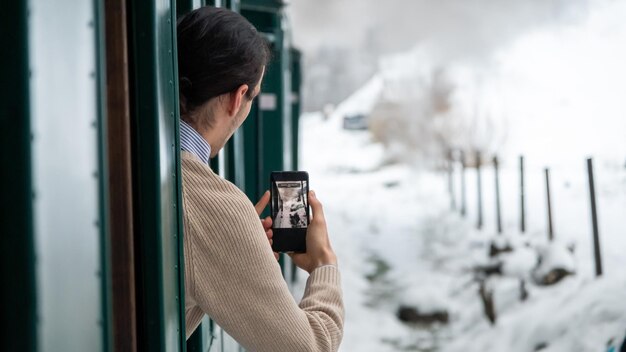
[522, 195]
[479, 225]
[120, 179]
[594, 219]
[158, 230]
[549, 206]
[18, 300]
[451, 181]
[463, 197]
[498, 209]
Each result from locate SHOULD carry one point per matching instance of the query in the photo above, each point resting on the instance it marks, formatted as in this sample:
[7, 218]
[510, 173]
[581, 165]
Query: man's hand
[318, 249]
[267, 222]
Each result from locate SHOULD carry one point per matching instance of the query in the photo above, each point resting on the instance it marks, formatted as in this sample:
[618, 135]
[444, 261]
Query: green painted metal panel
[69, 171]
[202, 339]
[268, 113]
[296, 91]
[156, 161]
[268, 131]
[234, 5]
[17, 266]
[253, 153]
[263, 5]
[184, 6]
[105, 253]
[265, 21]
[296, 88]
[180, 259]
[235, 160]
[288, 143]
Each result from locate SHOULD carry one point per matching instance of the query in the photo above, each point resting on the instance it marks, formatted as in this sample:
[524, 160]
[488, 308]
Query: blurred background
[459, 142]
[470, 155]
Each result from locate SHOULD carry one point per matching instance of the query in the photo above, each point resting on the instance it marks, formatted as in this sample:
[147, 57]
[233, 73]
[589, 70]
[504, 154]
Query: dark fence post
[463, 195]
[550, 228]
[498, 209]
[451, 180]
[522, 195]
[594, 219]
[479, 225]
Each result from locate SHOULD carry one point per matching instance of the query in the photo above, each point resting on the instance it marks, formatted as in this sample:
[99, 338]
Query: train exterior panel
[89, 116]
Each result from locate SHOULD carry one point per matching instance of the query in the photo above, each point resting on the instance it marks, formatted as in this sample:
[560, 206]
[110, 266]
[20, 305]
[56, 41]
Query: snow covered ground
[399, 244]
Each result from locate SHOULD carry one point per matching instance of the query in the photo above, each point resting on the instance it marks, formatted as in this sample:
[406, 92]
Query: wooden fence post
[451, 180]
[479, 225]
[463, 188]
[549, 206]
[594, 219]
[522, 196]
[498, 209]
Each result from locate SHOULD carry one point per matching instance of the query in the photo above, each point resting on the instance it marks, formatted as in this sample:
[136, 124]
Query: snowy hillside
[400, 245]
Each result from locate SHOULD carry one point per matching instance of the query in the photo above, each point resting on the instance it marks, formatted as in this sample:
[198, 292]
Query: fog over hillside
[343, 39]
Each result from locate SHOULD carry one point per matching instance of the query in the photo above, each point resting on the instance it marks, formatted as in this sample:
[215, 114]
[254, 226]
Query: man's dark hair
[218, 51]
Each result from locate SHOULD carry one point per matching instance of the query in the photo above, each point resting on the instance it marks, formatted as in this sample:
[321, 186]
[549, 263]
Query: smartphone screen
[291, 204]
[290, 210]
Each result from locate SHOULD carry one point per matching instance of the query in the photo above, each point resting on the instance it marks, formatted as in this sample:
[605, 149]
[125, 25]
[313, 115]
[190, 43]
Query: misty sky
[550, 71]
[454, 28]
[359, 31]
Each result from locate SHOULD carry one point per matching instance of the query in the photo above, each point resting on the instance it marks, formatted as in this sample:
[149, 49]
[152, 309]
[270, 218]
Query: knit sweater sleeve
[236, 280]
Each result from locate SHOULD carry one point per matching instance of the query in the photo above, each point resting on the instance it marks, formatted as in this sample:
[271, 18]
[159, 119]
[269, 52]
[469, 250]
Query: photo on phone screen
[290, 210]
[290, 204]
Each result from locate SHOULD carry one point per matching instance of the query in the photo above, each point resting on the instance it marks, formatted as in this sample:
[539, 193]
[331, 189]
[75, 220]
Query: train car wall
[120, 186]
[54, 126]
[294, 99]
[69, 203]
[70, 199]
[17, 257]
[156, 167]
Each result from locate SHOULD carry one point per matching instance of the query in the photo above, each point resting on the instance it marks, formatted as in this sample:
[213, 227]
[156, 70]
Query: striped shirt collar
[191, 141]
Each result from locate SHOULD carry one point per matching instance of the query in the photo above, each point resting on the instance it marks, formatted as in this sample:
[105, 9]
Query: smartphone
[290, 210]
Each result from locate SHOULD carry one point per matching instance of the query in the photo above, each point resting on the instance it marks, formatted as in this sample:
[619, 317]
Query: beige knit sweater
[231, 273]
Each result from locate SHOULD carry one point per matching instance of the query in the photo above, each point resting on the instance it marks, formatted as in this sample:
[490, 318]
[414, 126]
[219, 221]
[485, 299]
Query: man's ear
[237, 99]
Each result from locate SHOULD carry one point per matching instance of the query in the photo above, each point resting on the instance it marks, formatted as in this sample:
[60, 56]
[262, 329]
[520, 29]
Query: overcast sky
[343, 39]
[552, 68]
[453, 28]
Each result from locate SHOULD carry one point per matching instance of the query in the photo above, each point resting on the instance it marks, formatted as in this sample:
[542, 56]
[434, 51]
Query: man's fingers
[316, 206]
[262, 202]
[269, 234]
[267, 222]
[295, 255]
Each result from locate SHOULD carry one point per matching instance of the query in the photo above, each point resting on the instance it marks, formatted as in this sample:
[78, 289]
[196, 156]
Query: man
[231, 273]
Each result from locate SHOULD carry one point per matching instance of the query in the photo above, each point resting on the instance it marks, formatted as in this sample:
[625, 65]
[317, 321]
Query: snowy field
[399, 244]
